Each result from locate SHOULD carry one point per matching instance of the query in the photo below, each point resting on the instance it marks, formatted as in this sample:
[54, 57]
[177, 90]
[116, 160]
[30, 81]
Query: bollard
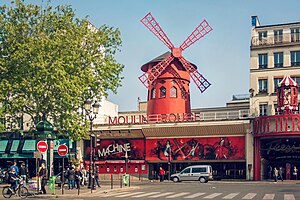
[111, 181]
[52, 184]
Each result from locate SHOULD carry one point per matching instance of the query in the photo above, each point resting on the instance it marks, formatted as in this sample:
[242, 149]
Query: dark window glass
[262, 61]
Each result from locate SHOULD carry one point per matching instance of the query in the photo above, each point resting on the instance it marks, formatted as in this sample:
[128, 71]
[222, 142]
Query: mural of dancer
[212, 148]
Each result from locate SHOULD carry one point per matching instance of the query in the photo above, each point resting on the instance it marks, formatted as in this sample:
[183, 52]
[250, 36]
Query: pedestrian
[43, 176]
[84, 176]
[275, 174]
[295, 172]
[280, 172]
[161, 174]
[97, 176]
[270, 172]
[15, 167]
[78, 177]
[23, 173]
[71, 178]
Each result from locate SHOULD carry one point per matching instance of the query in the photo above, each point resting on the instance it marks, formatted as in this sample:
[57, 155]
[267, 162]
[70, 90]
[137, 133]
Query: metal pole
[91, 156]
[63, 176]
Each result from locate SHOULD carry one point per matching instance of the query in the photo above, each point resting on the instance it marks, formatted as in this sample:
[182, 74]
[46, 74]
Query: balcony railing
[271, 40]
[229, 115]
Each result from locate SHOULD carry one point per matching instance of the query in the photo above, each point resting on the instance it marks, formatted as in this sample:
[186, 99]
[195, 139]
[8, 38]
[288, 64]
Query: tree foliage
[51, 61]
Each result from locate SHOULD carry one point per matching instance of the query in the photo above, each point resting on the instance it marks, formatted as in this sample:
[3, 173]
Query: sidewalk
[83, 191]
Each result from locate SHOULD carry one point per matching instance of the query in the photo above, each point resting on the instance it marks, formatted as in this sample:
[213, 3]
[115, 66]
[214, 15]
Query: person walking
[71, 178]
[43, 176]
[280, 172]
[78, 177]
[84, 176]
[295, 172]
[161, 174]
[23, 173]
[97, 176]
[275, 174]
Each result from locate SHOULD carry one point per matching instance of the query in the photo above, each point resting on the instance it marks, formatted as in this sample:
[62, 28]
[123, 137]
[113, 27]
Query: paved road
[215, 190]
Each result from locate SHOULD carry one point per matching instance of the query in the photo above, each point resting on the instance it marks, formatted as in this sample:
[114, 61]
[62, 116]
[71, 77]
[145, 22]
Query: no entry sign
[62, 150]
[42, 146]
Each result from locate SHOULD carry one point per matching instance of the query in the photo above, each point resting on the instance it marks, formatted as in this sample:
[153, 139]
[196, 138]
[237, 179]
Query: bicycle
[21, 190]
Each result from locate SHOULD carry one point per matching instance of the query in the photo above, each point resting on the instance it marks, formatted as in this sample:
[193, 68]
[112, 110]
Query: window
[162, 92]
[153, 92]
[173, 92]
[199, 170]
[277, 36]
[295, 58]
[295, 34]
[297, 79]
[263, 86]
[278, 59]
[263, 109]
[262, 61]
[262, 36]
[276, 83]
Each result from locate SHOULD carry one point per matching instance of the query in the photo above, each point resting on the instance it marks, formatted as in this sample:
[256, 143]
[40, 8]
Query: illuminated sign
[154, 118]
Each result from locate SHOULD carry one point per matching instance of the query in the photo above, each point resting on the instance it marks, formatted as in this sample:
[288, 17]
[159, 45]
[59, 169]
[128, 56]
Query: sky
[222, 56]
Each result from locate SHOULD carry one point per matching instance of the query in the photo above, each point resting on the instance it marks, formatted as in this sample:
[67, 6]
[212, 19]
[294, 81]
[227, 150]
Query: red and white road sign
[62, 150]
[42, 146]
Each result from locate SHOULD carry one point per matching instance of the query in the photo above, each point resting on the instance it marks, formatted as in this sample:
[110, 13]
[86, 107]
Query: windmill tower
[167, 77]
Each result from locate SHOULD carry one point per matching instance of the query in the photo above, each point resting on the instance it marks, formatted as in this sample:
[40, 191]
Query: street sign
[37, 154]
[42, 146]
[62, 150]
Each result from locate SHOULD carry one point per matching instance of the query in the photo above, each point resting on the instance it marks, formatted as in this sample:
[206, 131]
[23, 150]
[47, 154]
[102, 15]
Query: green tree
[51, 61]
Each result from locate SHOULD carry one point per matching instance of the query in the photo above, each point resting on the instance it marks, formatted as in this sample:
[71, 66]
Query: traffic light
[94, 141]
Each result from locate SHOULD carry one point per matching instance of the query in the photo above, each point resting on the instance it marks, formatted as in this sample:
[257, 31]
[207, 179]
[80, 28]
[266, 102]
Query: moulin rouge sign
[154, 118]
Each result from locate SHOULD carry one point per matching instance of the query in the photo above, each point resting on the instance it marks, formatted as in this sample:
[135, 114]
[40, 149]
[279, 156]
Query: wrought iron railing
[286, 38]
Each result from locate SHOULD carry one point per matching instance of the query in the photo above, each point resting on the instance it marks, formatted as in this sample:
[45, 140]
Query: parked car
[202, 173]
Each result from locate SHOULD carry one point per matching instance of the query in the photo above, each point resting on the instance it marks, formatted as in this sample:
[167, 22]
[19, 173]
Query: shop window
[162, 92]
[173, 92]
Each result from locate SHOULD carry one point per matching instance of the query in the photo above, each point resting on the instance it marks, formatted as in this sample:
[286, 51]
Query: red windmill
[170, 73]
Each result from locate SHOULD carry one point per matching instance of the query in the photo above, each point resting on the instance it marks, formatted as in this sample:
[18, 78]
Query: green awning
[29, 146]
[3, 144]
[14, 146]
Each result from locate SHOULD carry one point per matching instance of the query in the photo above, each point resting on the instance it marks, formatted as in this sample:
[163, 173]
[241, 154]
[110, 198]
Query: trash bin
[126, 179]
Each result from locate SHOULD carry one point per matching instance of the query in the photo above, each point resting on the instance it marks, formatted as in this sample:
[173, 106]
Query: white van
[202, 173]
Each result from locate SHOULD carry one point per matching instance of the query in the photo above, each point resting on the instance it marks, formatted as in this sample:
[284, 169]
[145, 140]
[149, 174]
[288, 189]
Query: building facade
[274, 54]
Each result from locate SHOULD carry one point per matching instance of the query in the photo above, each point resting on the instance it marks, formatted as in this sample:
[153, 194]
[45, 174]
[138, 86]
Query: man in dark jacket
[23, 173]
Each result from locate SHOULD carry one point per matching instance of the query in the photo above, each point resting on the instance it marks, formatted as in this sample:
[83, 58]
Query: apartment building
[274, 53]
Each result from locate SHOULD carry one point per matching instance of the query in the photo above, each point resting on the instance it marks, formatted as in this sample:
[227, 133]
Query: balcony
[270, 41]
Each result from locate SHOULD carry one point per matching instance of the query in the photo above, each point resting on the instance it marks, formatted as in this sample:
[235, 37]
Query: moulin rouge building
[169, 134]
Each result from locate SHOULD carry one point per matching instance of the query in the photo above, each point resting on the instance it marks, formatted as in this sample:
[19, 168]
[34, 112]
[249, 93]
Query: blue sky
[222, 56]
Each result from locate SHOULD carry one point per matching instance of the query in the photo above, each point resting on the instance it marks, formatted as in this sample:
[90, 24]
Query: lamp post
[91, 112]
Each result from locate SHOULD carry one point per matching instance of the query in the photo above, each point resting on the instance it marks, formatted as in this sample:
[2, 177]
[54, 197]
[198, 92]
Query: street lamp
[91, 112]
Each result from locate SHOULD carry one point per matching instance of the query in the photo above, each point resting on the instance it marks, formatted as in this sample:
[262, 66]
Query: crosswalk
[198, 195]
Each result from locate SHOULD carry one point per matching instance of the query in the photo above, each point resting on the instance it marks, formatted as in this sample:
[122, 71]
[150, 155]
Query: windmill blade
[151, 75]
[201, 82]
[203, 29]
[150, 22]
